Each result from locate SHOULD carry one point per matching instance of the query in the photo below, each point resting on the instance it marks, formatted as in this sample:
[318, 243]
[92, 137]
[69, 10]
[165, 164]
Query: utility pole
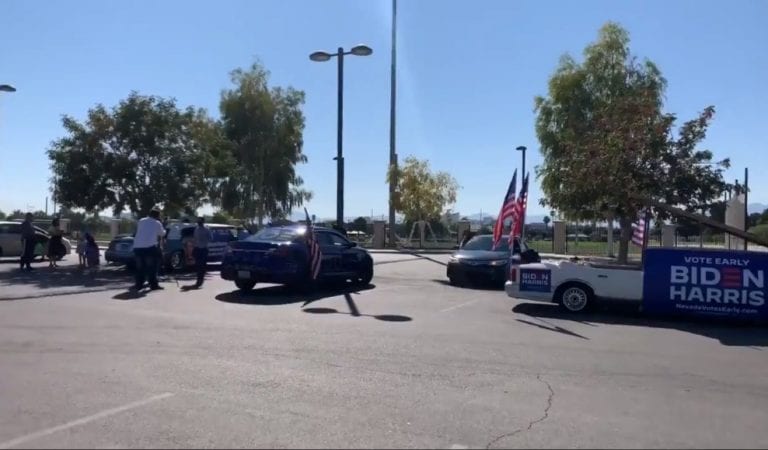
[392, 135]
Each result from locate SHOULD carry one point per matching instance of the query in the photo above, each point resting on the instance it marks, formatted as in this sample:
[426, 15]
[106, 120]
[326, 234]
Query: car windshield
[275, 235]
[485, 243]
[223, 233]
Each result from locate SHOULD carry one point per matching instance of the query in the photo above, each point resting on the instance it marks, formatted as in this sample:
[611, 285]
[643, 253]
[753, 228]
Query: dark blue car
[280, 255]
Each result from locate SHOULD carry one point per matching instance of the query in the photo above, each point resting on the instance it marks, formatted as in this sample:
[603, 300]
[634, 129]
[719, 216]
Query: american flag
[520, 206]
[507, 210]
[638, 229]
[315, 256]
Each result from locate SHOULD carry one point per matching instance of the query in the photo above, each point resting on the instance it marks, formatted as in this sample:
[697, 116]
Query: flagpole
[392, 109]
[646, 229]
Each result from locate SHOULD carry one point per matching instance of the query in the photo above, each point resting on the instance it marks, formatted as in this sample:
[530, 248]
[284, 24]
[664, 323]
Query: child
[81, 245]
[91, 252]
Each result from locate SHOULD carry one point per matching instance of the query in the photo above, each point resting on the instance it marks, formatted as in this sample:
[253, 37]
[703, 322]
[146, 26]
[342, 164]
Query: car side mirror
[352, 244]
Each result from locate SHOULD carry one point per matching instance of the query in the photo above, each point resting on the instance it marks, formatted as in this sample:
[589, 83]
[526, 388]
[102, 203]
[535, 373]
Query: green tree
[360, 224]
[607, 144]
[421, 194]
[760, 231]
[2, 215]
[221, 217]
[546, 221]
[764, 217]
[264, 126]
[142, 153]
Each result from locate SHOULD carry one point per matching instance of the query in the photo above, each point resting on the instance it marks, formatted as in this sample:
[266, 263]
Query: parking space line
[82, 421]
[460, 305]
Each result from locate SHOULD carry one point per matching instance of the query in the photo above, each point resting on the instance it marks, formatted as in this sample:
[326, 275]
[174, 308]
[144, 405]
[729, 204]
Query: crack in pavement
[550, 399]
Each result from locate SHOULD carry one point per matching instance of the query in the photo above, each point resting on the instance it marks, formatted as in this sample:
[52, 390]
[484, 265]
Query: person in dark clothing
[200, 251]
[29, 240]
[56, 247]
[467, 236]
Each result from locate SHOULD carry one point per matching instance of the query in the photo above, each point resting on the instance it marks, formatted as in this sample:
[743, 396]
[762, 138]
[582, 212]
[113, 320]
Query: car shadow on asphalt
[284, 295]
[475, 286]
[729, 333]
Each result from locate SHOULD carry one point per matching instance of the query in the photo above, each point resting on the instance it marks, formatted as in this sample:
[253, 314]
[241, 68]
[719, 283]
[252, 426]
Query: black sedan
[478, 263]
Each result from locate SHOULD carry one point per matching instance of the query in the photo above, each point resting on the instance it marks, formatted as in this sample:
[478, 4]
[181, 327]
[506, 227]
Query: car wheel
[575, 297]
[245, 285]
[176, 261]
[453, 281]
[364, 278]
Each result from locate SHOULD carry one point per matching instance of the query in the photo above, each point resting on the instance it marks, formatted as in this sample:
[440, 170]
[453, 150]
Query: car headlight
[499, 262]
[453, 259]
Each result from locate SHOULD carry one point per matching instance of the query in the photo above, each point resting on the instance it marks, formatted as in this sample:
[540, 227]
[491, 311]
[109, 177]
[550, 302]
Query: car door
[331, 254]
[349, 257]
[10, 239]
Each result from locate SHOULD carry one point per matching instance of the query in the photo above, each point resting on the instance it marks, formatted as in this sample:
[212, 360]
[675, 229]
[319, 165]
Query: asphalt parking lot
[406, 362]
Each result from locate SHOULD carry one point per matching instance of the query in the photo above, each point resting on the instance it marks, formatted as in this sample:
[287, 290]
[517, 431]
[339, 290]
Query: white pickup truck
[575, 284]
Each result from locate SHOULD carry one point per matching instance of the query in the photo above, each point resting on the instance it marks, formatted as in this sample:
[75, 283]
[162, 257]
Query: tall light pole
[392, 115]
[320, 56]
[746, 205]
[522, 228]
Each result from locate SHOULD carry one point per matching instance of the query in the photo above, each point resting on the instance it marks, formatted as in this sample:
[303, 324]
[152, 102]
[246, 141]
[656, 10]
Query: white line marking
[458, 447]
[82, 421]
[450, 308]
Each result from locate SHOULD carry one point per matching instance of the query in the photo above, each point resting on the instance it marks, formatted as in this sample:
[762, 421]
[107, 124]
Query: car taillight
[513, 273]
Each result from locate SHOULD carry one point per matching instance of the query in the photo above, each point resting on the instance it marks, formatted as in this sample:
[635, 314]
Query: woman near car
[56, 247]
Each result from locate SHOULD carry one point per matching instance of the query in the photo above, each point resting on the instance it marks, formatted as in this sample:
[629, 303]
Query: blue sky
[468, 72]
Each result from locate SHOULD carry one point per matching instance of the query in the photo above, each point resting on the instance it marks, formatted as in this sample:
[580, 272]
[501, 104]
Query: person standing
[28, 241]
[146, 249]
[56, 247]
[200, 252]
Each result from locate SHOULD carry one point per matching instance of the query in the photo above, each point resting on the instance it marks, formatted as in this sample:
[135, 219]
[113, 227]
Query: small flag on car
[313, 248]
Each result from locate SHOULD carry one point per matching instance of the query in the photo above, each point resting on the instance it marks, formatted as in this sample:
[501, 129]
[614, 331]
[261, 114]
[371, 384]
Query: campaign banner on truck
[535, 280]
[705, 283]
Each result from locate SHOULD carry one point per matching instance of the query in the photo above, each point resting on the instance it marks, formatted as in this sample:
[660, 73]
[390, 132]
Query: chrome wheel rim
[575, 299]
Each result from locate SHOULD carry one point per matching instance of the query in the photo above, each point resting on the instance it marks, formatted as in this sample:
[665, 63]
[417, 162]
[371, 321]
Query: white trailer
[575, 284]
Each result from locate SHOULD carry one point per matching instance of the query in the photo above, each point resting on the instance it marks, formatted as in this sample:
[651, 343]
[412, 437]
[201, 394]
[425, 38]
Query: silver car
[10, 240]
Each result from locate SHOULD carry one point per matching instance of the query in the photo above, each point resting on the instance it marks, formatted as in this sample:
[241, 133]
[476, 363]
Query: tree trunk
[626, 235]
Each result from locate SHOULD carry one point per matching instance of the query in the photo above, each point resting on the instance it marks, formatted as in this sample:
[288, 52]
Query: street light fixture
[321, 56]
[7, 88]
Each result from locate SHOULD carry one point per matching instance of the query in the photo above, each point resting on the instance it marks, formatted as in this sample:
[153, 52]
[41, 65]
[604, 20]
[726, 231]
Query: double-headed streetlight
[358, 50]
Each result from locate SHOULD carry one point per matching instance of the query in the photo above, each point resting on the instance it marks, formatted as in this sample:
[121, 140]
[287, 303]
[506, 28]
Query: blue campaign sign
[535, 280]
[705, 283]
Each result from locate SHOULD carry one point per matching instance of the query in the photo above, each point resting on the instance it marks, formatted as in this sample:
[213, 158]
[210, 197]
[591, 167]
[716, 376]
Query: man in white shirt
[146, 249]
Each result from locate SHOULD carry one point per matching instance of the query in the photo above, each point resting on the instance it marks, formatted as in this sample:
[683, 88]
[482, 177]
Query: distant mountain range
[756, 207]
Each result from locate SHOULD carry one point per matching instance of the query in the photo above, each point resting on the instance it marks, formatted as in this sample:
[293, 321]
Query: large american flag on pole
[313, 248]
[507, 210]
[519, 212]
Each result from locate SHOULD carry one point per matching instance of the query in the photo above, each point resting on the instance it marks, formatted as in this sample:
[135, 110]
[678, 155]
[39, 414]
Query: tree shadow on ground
[284, 295]
[43, 280]
[728, 332]
[355, 312]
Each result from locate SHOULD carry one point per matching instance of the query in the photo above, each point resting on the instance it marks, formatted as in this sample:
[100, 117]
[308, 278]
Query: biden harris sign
[705, 283]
